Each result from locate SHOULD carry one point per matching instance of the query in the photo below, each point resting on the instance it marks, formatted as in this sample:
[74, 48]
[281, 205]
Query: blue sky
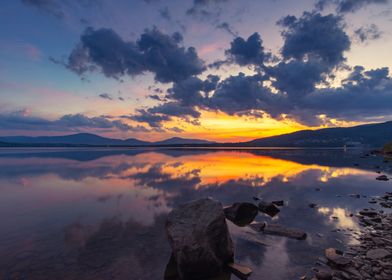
[192, 68]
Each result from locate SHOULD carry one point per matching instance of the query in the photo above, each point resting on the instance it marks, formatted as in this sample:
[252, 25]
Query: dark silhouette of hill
[374, 135]
[369, 135]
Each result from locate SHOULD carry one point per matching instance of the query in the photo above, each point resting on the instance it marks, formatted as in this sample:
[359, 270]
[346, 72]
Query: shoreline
[371, 258]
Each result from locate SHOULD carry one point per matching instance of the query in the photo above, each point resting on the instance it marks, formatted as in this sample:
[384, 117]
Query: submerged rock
[278, 202]
[275, 229]
[241, 214]
[336, 257]
[382, 178]
[268, 208]
[240, 271]
[199, 238]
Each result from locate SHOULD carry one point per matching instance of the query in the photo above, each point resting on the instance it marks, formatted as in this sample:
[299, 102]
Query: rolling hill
[182, 141]
[94, 140]
[374, 135]
[370, 135]
[74, 139]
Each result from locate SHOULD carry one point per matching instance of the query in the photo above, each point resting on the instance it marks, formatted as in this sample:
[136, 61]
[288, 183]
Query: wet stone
[382, 178]
[336, 257]
[241, 214]
[268, 208]
[275, 229]
[199, 238]
[376, 254]
[241, 271]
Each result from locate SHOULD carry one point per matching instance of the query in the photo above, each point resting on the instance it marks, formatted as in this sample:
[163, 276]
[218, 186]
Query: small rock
[241, 214]
[268, 208]
[382, 178]
[278, 202]
[257, 226]
[376, 254]
[275, 229]
[324, 274]
[240, 271]
[336, 257]
[368, 213]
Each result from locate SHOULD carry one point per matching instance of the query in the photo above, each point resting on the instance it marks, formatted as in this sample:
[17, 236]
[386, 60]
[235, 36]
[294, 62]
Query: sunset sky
[221, 70]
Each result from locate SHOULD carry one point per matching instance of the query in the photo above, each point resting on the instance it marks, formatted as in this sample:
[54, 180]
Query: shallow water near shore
[100, 213]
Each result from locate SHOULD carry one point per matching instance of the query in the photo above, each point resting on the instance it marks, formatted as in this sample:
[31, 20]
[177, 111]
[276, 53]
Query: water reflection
[99, 214]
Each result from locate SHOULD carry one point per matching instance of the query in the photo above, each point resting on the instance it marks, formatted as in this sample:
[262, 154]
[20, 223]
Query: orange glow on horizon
[220, 127]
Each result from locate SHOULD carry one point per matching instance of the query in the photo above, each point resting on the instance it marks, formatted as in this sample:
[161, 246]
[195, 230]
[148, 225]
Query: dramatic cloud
[314, 48]
[314, 36]
[348, 6]
[154, 52]
[21, 121]
[152, 119]
[371, 32]
[247, 52]
[364, 94]
[238, 95]
[106, 96]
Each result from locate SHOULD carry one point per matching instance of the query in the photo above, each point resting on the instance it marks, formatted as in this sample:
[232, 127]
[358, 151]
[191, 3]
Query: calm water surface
[100, 214]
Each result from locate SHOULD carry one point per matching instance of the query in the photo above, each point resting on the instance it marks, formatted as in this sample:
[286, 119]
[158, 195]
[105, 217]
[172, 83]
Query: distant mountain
[182, 141]
[374, 135]
[92, 140]
[74, 139]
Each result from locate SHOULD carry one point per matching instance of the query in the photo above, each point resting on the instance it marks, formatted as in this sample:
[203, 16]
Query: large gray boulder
[199, 238]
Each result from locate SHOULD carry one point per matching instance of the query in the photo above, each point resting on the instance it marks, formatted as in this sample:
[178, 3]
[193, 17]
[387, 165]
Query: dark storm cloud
[174, 109]
[297, 78]
[181, 101]
[348, 6]
[155, 52]
[106, 96]
[314, 36]
[187, 92]
[152, 119]
[366, 33]
[247, 52]
[71, 122]
[314, 47]
[155, 116]
[238, 95]
[167, 59]
[364, 94]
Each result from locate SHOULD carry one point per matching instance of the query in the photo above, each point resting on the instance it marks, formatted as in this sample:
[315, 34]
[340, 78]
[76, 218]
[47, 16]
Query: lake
[100, 213]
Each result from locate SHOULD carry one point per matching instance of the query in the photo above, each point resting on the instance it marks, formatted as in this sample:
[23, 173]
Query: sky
[222, 70]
